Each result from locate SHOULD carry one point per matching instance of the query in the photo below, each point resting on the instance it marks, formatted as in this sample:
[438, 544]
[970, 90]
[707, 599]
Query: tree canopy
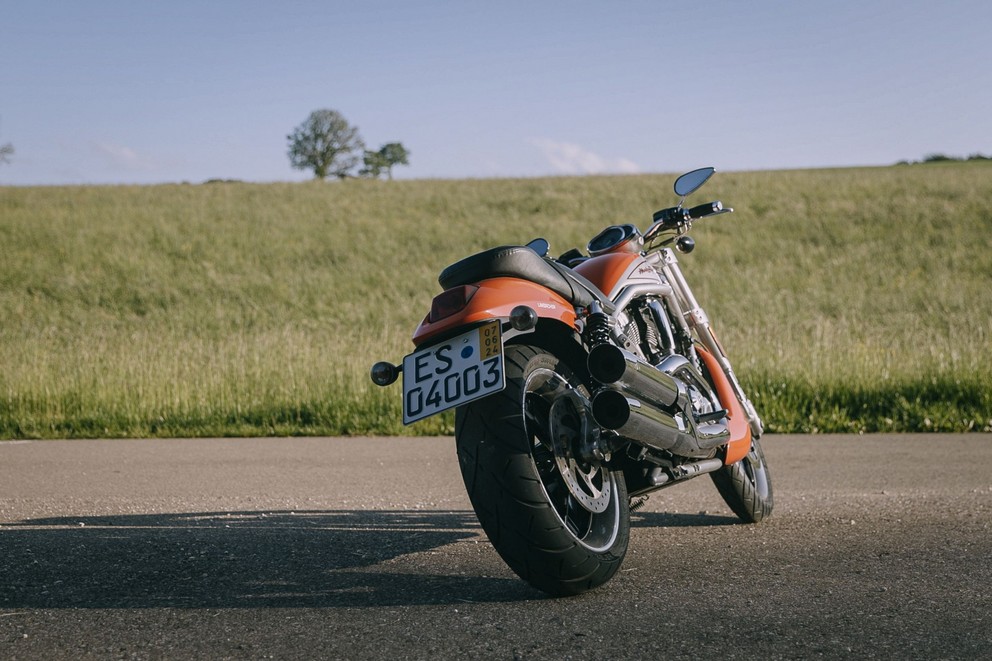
[394, 153]
[390, 154]
[326, 143]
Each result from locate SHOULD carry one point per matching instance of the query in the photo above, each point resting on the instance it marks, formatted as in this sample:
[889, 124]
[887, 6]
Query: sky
[107, 92]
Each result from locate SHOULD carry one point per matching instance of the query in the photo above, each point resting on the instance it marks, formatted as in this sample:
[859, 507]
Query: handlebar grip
[705, 209]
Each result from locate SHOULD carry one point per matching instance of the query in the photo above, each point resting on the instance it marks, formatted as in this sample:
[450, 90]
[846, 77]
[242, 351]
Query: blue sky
[145, 92]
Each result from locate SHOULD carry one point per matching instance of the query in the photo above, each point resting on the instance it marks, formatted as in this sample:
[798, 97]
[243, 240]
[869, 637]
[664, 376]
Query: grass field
[849, 300]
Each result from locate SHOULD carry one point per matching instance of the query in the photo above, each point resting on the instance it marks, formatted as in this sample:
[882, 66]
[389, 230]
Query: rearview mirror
[691, 181]
[540, 246]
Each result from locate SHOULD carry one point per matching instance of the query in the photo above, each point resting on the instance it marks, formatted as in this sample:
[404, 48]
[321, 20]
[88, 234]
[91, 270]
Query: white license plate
[453, 373]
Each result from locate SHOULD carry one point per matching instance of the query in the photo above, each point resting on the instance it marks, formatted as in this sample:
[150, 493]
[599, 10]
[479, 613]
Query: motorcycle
[581, 384]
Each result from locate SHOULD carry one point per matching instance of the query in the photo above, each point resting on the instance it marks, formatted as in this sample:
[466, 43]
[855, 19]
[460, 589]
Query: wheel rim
[582, 493]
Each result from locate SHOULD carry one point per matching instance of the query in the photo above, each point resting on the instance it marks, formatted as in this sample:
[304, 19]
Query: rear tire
[746, 485]
[562, 524]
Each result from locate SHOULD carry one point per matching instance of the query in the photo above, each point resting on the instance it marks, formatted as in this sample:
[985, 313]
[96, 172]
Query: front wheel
[557, 517]
[746, 485]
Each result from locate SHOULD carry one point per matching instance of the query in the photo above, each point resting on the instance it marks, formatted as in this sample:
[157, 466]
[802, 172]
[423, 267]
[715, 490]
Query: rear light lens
[451, 301]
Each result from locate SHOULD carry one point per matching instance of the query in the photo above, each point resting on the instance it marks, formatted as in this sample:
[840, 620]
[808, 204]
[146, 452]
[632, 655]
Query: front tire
[560, 522]
[746, 485]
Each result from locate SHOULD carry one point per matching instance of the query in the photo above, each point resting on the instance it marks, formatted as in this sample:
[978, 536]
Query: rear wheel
[746, 486]
[557, 517]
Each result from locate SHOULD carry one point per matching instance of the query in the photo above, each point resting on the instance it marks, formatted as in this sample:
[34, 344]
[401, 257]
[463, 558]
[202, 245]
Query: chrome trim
[609, 364]
[650, 426]
[630, 292]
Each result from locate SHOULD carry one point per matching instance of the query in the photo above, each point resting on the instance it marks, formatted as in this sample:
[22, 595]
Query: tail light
[451, 301]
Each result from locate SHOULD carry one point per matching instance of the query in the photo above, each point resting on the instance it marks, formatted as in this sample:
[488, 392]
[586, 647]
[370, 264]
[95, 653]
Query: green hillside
[849, 300]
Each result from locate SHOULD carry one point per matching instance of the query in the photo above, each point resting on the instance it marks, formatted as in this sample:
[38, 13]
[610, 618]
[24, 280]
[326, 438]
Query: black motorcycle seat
[522, 262]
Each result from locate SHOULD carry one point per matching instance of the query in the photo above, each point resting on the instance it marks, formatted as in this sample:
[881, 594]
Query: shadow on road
[256, 559]
[241, 560]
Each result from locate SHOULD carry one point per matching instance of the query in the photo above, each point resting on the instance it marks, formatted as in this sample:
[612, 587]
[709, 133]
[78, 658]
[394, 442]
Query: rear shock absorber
[598, 326]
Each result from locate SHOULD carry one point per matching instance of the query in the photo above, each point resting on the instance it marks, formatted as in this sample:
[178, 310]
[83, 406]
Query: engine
[653, 345]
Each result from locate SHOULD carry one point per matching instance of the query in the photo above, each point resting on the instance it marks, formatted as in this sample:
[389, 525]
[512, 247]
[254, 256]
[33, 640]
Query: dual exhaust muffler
[650, 406]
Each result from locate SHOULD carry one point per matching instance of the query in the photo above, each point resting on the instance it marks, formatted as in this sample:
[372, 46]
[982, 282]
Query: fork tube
[696, 318]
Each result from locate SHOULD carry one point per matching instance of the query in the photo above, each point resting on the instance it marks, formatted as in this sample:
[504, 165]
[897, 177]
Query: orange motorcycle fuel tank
[614, 271]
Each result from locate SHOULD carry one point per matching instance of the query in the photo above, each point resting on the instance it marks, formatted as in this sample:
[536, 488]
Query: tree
[394, 153]
[5, 151]
[326, 144]
[373, 166]
[388, 155]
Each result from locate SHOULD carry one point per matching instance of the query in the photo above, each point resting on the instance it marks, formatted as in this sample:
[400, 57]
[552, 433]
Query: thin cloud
[568, 158]
[120, 157]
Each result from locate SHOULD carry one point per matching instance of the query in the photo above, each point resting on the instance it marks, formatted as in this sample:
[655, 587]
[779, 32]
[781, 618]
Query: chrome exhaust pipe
[660, 476]
[610, 364]
[652, 427]
[648, 405]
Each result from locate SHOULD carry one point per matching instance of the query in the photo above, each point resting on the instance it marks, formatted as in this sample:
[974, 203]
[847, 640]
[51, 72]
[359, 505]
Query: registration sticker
[453, 372]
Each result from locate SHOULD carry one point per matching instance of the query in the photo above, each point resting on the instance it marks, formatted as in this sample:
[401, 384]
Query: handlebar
[705, 209]
[678, 218]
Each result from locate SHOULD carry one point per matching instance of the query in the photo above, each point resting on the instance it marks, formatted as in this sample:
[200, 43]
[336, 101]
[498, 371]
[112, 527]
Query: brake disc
[569, 423]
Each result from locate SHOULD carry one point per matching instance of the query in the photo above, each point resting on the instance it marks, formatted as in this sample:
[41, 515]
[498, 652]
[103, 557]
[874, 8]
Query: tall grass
[849, 300]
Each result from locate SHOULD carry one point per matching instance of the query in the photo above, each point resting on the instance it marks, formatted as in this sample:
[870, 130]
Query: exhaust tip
[610, 409]
[606, 363]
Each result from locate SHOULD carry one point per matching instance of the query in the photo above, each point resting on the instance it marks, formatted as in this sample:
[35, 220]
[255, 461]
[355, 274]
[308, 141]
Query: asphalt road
[879, 547]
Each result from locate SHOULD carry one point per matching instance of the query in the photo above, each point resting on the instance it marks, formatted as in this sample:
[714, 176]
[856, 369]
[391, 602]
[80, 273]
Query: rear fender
[494, 299]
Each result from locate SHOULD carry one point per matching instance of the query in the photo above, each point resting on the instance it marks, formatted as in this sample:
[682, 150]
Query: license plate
[453, 372]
